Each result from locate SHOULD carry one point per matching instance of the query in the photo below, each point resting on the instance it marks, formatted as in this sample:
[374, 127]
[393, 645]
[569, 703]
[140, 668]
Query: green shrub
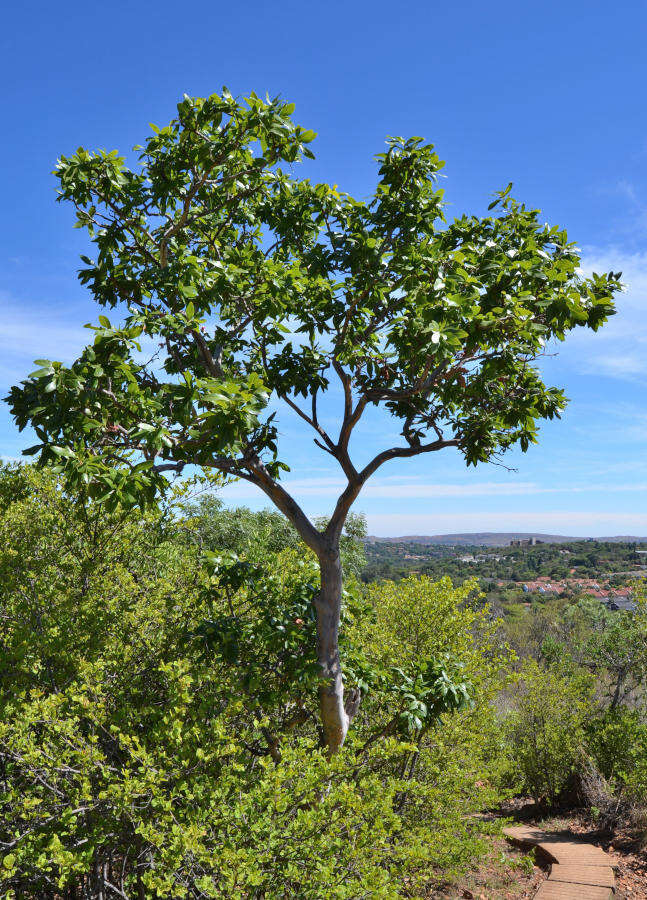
[617, 742]
[458, 763]
[158, 727]
[546, 729]
[635, 781]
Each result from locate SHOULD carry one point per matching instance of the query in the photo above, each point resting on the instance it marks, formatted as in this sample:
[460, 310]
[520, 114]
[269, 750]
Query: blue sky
[550, 96]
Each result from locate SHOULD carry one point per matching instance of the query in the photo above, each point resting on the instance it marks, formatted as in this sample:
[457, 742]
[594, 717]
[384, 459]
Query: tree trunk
[620, 678]
[335, 715]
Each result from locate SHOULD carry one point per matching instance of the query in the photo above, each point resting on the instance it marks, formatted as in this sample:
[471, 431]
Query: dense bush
[617, 743]
[566, 743]
[158, 730]
[255, 534]
[617, 739]
[159, 734]
[546, 728]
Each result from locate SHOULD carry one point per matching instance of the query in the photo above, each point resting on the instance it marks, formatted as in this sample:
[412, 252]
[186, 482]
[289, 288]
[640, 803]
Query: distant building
[529, 542]
[542, 587]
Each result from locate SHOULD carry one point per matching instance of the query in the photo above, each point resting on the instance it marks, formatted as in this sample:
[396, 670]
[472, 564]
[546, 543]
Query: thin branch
[351, 418]
[346, 384]
[399, 452]
[312, 421]
[212, 365]
[422, 385]
[170, 467]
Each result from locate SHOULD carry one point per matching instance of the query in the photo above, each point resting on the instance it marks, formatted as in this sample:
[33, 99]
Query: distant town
[514, 568]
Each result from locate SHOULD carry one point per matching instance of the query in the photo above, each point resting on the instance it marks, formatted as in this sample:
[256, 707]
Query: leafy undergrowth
[507, 873]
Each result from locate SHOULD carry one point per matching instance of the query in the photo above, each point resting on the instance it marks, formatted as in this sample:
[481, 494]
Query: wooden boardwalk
[578, 871]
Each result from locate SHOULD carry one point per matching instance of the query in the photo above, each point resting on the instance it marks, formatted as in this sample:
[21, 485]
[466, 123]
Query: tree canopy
[258, 284]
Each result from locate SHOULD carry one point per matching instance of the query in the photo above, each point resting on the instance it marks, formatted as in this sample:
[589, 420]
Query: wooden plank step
[560, 890]
[602, 876]
[579, 871]
[575, 854]
[526, 834]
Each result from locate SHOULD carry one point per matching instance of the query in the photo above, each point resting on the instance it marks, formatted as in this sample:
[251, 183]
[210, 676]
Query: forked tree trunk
[335, 714]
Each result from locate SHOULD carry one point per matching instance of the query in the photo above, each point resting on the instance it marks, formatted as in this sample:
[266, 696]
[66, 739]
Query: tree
[261, 288]
[216, 527]
[609, 642]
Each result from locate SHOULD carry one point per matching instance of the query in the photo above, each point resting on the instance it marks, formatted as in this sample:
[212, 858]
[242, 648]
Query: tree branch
[351, 418]
[212, 365]
[312, 422]
[398, 452]
[259, 476]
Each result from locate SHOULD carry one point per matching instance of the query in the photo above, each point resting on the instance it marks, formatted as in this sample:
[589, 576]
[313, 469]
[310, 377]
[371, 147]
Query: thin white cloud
[627, 366]
[28, 333]
[626, 190]
[614, 421]
[408, 489]
[402, 488]
[578, 523]
[619, 348]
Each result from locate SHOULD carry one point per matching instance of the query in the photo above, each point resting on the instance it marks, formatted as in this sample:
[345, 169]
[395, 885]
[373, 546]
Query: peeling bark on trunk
[335, 715]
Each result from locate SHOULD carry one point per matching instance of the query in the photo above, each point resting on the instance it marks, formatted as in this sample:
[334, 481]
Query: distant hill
[496, 539]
